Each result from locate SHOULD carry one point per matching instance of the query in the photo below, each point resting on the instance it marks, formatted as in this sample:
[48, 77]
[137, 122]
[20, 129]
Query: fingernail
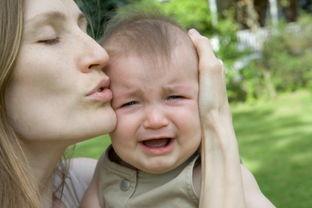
[221, 62]
[193, 32]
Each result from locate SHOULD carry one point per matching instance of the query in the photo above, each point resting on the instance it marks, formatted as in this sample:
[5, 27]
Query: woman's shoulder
[82, 169]
[79, 175]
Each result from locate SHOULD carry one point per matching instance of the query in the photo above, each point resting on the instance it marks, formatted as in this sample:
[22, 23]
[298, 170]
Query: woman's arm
[222, 183]
[221, 176]
[91, 196]
[253, 195]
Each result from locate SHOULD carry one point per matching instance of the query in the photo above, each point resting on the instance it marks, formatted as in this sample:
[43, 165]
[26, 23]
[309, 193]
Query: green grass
[276, 145]
[275, 140]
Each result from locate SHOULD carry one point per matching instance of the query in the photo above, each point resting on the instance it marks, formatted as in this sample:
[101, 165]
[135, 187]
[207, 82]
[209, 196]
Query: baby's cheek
[193, 121]
[124, 127]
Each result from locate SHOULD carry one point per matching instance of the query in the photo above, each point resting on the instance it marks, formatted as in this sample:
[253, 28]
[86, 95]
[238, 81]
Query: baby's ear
[197, 179]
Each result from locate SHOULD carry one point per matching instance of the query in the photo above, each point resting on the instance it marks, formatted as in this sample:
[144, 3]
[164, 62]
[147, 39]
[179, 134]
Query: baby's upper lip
[103, 84]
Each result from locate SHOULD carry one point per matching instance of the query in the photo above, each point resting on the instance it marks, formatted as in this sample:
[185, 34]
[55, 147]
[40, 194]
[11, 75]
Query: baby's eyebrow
[128, 93]
[174, 87]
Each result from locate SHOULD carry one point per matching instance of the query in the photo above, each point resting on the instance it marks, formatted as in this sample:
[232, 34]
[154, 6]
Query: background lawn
[275, 142]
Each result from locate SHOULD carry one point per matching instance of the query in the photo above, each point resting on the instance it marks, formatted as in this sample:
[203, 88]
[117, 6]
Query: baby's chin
[161, 168]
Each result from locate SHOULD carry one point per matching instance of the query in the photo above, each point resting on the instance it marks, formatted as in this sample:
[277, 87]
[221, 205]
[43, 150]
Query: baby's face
[158, 124]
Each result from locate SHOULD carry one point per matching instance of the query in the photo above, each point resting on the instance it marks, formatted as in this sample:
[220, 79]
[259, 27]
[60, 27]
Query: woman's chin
[110, 122]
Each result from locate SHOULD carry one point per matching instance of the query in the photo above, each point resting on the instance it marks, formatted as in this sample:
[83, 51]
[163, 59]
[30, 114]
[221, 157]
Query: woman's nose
[155, 119]
[95, 56]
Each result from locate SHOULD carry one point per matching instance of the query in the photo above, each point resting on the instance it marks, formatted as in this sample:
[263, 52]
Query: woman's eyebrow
[46, 16]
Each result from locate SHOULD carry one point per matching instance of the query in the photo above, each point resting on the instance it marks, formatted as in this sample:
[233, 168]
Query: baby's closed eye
[172, 97]
[127, 104]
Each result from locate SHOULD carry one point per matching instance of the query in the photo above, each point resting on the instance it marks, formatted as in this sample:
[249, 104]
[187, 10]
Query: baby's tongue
[156, 143]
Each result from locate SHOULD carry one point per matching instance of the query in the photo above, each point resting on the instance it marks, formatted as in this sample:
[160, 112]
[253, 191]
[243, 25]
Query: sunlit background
[266, 46]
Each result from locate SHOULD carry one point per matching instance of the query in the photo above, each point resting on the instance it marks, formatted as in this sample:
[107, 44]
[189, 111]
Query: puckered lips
[157, 145]
[101, 92]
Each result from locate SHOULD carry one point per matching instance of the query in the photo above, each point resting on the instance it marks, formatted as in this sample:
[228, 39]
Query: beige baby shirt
[122, 187]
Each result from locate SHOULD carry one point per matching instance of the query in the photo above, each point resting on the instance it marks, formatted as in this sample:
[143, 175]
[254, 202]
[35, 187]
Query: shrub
[287, 56]
[285, 64]
[98, 12]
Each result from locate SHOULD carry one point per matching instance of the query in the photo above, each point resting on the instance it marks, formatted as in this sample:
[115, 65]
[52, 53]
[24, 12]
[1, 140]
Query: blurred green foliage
[188, 13]
[196, 14]
[98, 12]
[284, 66]
[287, 55]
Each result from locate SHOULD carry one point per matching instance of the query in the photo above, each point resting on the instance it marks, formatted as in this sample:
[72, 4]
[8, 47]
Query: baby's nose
[155, 118]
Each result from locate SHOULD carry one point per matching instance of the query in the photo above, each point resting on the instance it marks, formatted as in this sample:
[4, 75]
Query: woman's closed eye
[49, 41]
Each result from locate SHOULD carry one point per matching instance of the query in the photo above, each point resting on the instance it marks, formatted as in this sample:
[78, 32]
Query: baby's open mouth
[157, 143]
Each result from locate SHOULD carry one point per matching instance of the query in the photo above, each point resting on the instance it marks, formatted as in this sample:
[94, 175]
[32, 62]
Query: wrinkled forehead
[182, 64]
[181, 54]
[37, 8]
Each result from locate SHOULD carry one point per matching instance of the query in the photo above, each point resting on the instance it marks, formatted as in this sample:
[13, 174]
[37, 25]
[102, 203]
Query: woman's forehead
[34, 9]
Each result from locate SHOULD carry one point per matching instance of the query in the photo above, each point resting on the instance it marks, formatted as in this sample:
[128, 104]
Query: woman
[54, 93]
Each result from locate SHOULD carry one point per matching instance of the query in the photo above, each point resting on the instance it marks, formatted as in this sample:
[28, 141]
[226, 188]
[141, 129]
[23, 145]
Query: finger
[204, 49]
[201, 43]
[212, 86]
[211, 74]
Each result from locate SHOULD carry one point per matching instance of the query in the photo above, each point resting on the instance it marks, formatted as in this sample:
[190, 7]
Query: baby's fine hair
[149, 34]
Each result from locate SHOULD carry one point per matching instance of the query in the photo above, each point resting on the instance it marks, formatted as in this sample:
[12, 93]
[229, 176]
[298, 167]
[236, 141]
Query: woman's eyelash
[50, 41]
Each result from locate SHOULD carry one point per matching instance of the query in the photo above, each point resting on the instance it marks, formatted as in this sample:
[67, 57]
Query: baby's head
[154, 79]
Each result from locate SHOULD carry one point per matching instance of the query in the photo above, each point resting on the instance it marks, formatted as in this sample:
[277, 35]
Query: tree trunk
[246, 14]
[290, 10]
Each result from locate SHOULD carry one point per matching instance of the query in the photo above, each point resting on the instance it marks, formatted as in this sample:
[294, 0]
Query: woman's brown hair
[16, 186]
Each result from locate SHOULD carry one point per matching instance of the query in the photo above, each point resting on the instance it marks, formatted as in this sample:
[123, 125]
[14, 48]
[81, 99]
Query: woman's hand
[222, 185]
[225, 182]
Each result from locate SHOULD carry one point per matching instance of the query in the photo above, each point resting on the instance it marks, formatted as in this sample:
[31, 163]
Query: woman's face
[58, 89]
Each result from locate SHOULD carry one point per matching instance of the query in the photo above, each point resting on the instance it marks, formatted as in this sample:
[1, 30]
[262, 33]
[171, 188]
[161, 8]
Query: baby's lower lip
[157, 146]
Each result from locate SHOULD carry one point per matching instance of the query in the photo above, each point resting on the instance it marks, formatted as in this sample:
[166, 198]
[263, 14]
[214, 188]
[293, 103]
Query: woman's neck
[43, 158]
